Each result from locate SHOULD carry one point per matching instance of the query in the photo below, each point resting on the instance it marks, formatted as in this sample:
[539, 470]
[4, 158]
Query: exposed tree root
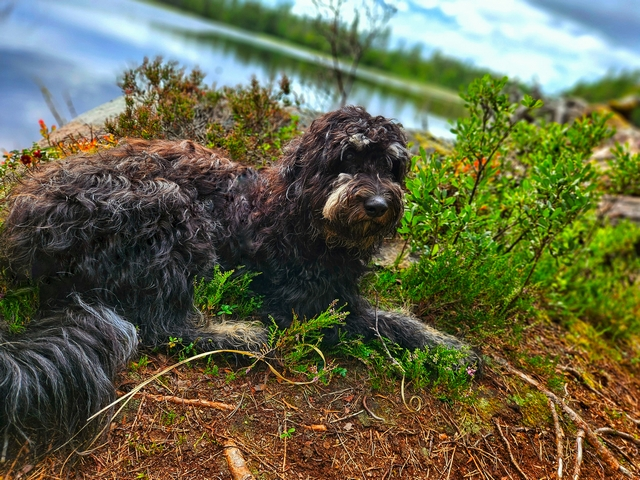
[576, 470]
[604, 453]
[617, 433]
[559, 436]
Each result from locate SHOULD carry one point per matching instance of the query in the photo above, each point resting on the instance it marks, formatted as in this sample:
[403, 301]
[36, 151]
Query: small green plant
[288, 434]
[228, 292]
[170, 418]
[140, 365]
[624, 172]
[175, 345]
[18, 307]
[298, 346]
[211, 368]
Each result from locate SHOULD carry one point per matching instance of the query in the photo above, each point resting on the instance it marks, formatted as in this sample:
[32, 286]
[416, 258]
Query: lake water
[76, 49]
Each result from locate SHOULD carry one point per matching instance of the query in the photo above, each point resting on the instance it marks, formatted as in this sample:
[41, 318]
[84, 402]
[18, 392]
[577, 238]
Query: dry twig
[236, 463]
[508, 445]
[601, 449]
[196, 402]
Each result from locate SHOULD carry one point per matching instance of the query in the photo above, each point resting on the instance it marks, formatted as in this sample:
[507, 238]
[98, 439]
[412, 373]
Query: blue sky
[553, 42]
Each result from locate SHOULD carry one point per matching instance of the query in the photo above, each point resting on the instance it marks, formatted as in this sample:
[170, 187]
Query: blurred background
[64, 57]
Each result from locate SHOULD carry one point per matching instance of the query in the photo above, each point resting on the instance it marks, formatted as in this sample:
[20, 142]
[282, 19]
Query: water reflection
[77, 48]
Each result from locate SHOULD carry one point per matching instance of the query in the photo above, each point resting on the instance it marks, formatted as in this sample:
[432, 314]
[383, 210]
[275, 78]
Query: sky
[552, 42]
[78, 48]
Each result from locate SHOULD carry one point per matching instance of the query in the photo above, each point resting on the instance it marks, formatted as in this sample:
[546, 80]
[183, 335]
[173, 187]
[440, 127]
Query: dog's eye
[348, 156]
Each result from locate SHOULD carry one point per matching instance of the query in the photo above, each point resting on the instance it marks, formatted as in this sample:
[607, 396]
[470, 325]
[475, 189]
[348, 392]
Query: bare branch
[349, 40]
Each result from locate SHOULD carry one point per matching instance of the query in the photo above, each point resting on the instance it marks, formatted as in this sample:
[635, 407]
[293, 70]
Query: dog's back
[114, 236]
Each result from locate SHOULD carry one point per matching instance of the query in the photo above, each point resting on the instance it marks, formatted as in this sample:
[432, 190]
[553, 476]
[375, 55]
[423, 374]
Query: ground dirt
[347, 430]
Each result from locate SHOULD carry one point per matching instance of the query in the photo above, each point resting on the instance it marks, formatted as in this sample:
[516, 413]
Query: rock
[88, 124]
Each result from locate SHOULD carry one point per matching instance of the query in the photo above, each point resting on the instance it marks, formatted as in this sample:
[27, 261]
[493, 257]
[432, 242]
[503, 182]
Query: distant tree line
[611, 86]
[279, 21]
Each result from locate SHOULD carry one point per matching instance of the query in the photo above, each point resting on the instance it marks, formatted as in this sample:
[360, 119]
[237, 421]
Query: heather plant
[251, 123]
[298, 347]
[160, 101]
[261, 125]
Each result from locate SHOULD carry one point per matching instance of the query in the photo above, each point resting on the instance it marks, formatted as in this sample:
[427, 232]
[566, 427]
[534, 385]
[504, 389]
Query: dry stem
[508, 445]
[197, 402]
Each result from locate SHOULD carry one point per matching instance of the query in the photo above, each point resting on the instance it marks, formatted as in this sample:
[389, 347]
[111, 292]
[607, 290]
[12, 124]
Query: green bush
[162, 101]
[483, 216]
[624, 172]
[600, 283]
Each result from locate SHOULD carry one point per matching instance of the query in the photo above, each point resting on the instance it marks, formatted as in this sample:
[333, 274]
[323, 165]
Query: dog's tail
[58, 373]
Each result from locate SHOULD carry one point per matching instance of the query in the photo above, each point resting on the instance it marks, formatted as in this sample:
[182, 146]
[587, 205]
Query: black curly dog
[115, 240]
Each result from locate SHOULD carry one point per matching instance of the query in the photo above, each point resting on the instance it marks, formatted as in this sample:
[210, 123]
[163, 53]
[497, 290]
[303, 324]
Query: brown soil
[345, 430]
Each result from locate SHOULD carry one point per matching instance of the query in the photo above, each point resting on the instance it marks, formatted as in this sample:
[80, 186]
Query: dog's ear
[400, 161]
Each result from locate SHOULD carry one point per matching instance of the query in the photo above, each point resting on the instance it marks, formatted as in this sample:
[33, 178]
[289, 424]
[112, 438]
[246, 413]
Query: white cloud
[513, 37]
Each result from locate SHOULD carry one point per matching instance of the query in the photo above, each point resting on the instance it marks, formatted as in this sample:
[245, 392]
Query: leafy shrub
[261, 126]
[624, 172]
[160, 101]
[163, 101]
[484, 215]
[600, 283]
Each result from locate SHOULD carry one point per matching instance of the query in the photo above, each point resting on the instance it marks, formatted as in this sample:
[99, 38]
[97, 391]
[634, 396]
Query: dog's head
[348, 170]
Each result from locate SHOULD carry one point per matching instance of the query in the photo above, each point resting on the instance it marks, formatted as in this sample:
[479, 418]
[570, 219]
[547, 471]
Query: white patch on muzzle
[330, 206]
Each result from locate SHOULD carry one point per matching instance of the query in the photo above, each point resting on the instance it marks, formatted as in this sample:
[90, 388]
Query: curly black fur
[115, 240]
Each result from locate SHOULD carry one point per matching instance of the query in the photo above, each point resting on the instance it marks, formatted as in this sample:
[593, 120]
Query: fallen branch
[196, 402]
[559, 436]
[611, 431]
[579, 438]
[601, 449]
[508, 445]
[236, 463]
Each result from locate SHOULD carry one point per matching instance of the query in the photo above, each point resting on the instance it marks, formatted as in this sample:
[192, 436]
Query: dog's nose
[376, 206]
